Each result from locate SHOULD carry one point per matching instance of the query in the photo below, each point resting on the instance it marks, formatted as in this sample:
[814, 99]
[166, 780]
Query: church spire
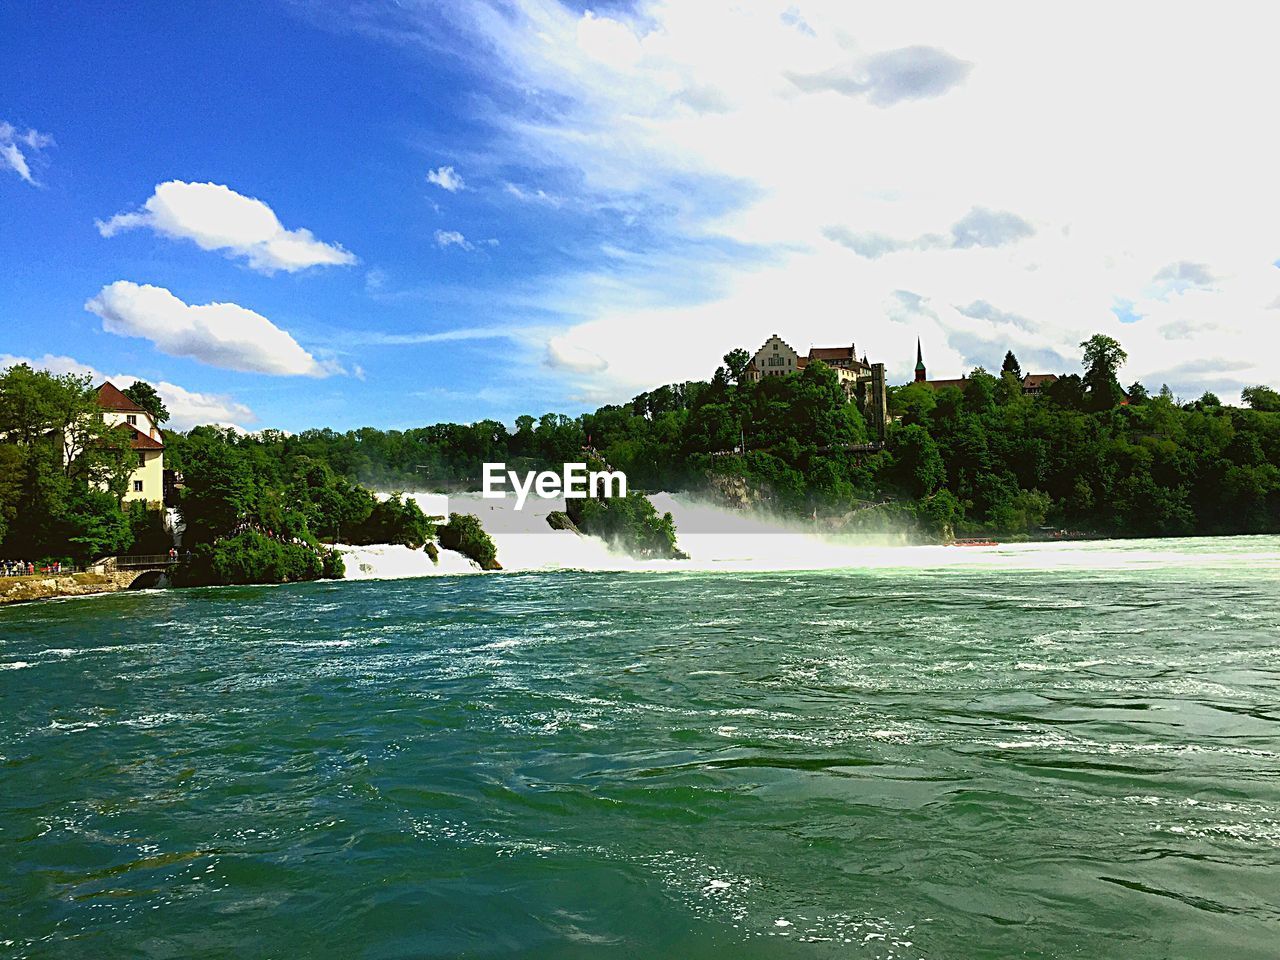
[920, 374]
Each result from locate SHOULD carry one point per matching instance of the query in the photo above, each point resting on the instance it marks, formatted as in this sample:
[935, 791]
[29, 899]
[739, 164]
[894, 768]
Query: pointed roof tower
[920, 374]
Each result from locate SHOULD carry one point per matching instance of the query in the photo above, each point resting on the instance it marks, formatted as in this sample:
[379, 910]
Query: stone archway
[149, 580]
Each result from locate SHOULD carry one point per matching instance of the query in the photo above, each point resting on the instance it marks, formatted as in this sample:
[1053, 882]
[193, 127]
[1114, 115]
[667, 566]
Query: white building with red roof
[145, 438]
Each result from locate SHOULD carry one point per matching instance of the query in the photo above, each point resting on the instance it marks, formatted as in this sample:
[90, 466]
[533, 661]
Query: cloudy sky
[314, 213]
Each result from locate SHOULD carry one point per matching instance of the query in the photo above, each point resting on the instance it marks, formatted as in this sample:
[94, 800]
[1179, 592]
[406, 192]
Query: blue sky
[486, 209]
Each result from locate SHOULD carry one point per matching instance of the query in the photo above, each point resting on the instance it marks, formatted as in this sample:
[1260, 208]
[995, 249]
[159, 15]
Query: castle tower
[879, 401]
[920, 374]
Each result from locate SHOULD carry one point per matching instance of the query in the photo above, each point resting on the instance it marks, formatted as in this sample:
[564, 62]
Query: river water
[1049, 751]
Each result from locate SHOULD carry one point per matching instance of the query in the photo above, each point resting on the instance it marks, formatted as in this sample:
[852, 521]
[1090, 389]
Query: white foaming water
[388, 561]
[720, 539]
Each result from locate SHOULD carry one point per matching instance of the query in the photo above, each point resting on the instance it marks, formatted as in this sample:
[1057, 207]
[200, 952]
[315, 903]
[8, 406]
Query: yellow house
[121, 413]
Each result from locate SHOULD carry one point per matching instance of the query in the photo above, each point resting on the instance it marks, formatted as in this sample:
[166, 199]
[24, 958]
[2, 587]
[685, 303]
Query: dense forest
[1083, 455]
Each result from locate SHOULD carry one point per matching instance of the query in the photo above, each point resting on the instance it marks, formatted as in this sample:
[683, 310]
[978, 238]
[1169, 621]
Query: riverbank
[53, 586]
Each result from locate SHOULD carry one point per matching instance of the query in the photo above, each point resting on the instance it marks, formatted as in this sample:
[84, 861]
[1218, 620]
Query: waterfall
[722, 539]
[716, 538]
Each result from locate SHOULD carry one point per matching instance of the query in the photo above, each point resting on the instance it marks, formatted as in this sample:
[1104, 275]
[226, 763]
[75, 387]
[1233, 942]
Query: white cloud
[977, 228]
[16, 147]
[563, 354]
[187, 408]
[220, 334]
[1089, 177]
[452, 238]
[1184, 274]
[215, 217]
[989, 228]
[911, 73]
[446, 178]
[526, 195]
[440, 336]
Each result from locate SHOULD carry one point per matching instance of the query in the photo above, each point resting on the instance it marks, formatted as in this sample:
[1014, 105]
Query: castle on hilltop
[863, 382]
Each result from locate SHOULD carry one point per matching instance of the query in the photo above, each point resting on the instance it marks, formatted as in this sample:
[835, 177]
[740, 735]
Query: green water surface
[975, 763]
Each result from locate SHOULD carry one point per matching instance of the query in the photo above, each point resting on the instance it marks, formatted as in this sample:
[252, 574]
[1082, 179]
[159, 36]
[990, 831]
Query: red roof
[110, 398]
[140, 441]
[834, 353]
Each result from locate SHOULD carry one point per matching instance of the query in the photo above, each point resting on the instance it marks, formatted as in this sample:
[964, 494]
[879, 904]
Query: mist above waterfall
[722, 539]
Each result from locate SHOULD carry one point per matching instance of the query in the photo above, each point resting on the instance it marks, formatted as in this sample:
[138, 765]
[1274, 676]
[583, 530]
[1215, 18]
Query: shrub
[630, 524]
[396, 520]
[464, 534]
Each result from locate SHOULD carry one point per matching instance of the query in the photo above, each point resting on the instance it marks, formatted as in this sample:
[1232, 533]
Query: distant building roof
[1038, 379]
[941, 384]
[833, 353]
[111, 398]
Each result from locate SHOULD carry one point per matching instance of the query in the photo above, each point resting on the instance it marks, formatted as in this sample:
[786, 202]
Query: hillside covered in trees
[1085, 454]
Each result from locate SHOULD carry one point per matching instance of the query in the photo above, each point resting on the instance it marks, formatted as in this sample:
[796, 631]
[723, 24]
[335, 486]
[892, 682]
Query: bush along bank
[252, 557]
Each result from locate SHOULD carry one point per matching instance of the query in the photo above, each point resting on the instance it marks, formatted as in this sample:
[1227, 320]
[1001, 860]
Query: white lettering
[575, 481]
[607, 479]
[494, 476]
[548, 485]
[522, 492]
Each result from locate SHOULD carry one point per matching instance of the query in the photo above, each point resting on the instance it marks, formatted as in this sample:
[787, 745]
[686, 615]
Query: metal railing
[139, 562]
[144, 561]
[40, 570]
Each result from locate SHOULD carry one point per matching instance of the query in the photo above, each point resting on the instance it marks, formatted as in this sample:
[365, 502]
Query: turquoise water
[953, 763]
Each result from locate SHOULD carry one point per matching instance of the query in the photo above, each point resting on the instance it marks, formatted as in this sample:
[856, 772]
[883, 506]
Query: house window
[137, 486]
[132, 418]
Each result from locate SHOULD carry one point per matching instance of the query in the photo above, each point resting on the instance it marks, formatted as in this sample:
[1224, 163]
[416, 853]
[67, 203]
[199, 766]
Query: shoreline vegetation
[1085, 457]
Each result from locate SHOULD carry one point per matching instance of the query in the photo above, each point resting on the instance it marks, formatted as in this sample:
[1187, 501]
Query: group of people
[25, 568]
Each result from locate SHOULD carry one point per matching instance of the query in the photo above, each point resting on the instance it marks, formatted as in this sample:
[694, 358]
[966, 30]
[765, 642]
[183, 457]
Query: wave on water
[721, 539]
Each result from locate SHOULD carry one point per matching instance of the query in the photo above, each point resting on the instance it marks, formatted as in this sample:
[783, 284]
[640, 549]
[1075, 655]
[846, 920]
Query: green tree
[736, 362]
[72, 468]
[917, 464]
[980, 391]
[1011, 365]
[145, 396]
[220, 489]
[1067, 392]
[11, 470]
[1103, 357]
[1261, 398]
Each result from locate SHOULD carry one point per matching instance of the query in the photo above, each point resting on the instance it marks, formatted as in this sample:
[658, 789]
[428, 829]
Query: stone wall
[22, 589]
